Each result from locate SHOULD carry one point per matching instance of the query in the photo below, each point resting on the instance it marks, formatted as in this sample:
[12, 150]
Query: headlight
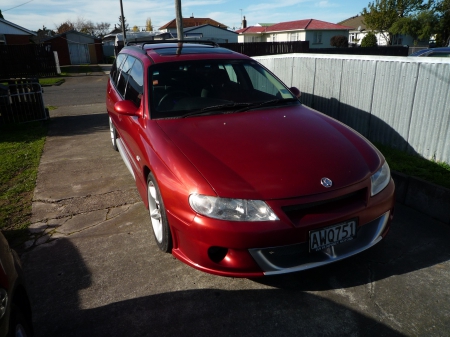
[380, 179]
[231, 209]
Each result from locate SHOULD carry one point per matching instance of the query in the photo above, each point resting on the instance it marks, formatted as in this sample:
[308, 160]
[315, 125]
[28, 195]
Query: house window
[317, 37]
[2, 39]
[294, 37]
[274, 37]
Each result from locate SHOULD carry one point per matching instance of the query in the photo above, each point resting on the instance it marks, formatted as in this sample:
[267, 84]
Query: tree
[125, 22]
[339, 41]
[101, 29]
[421, 26]
[370, 40]
[148, 25]
[65, 27]
[380, 16]
[442, 9]
[135, 29]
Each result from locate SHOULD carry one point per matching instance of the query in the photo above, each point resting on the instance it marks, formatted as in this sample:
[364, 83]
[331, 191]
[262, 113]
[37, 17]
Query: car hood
[273, 153]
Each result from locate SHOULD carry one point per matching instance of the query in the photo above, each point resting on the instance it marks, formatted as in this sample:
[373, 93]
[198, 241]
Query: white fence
[403, 102]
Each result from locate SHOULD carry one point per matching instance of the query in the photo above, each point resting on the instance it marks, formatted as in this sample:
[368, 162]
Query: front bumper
[255, 249]
[292, 258]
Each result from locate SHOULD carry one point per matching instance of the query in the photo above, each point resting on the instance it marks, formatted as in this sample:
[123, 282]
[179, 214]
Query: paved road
[94, 269]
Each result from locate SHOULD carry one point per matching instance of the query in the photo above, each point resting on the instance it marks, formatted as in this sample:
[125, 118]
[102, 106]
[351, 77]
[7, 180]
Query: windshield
[193, 88]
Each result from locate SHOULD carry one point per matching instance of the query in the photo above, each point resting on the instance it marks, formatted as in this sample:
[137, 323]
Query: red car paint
[277, 154]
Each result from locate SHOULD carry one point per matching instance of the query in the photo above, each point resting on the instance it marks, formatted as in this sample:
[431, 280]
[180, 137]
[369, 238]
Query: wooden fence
[26, 61]
[268, 48]
[21, 101]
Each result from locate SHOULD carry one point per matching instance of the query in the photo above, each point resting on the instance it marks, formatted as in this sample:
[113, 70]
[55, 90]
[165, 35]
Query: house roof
[192, 22]
[7, 27]
[73, 31]
[308, 24]
[252, 30]
[355, 22]
[191, 29]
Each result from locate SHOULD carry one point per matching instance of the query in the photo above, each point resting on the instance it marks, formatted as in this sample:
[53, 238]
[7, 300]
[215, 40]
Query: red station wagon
[239, 177]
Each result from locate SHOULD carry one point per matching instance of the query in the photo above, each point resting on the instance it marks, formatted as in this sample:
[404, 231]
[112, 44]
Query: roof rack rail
[206, 42]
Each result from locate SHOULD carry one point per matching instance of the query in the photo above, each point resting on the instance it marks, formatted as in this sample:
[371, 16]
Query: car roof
[170, 51]
[430, 50]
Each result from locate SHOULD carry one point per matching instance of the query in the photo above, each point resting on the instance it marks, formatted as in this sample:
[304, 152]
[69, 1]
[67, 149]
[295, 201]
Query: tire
[113, 133]
[158, 216]
[18, 325]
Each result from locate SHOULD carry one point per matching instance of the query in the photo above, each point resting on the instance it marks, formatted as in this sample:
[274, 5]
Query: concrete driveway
[94, 270]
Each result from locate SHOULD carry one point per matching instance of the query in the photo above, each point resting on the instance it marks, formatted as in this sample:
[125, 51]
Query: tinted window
[134, 87]
[116, 66]
[124, 74]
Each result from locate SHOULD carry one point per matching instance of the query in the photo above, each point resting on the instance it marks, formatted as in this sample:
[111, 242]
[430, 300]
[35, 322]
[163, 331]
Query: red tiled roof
[193, 22]
[308, 24]
[252, 30]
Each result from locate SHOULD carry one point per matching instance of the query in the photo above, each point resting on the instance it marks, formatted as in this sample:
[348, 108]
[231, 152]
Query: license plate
[326, 237]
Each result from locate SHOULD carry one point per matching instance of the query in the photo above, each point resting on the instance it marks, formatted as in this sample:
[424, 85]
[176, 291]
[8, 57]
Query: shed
[76, 48]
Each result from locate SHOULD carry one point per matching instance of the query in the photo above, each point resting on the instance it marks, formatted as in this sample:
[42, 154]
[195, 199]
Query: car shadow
[57, 274]
[78, 125]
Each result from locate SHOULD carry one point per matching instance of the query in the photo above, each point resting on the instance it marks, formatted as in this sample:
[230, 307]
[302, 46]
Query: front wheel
[158, 215]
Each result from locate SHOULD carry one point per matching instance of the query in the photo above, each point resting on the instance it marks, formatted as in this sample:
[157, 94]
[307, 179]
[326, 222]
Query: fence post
[58, 69]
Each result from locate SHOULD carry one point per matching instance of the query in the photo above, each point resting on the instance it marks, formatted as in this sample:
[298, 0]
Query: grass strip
[20, 152]
[51, 81]
[414, 165]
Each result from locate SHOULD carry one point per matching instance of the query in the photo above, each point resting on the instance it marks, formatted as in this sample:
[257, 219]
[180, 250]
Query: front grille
[302, 214]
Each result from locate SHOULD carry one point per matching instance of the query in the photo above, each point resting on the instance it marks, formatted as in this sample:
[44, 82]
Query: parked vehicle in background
[239, 177]
[15, 309]
[433, 52]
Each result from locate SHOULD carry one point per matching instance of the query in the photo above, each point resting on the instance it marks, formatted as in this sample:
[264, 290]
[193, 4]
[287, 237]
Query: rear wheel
[112, 131]
[158, 215]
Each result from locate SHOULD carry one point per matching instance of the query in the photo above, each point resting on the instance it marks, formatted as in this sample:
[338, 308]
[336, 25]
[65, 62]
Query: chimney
[244, 23]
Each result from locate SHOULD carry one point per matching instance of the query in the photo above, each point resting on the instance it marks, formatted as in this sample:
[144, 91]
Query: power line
[17, 6]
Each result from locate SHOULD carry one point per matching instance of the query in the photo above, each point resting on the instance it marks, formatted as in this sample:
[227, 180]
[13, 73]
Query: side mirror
[126, 108]
[297, 93]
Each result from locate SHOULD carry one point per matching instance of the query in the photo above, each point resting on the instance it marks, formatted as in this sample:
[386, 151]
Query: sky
[35, 14]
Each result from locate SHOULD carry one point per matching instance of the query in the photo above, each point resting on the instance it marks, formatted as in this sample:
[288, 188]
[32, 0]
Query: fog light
[217, 254]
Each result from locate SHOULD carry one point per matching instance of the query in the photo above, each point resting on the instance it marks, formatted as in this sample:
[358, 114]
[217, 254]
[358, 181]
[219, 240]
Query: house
[359, 31]
[209, 32]
[317, 32]
[11, 34]
[76, 48]
[171, 26]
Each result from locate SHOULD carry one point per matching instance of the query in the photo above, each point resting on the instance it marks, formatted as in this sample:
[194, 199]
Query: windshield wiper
[215, 109]
[268, 103]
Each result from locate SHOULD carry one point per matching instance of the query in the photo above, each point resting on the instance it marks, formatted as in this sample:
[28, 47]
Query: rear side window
[134, 87]
[116, 66]
[124, 74]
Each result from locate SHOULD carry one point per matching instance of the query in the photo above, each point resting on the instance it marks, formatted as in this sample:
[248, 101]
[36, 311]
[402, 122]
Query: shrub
[370, 40]
[339, 41]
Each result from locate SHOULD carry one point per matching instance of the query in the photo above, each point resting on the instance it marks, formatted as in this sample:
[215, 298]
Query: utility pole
[179, 19]
[123, 25]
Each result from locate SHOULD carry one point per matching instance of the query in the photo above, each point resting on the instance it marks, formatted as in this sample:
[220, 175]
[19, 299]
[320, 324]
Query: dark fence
[21, 101]
[268, 48]
[19, 61]
[381, 50]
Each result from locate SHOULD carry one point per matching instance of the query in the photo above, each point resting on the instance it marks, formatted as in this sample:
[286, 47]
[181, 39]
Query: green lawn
[51, 81]
[412, 165]
[20, 151]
